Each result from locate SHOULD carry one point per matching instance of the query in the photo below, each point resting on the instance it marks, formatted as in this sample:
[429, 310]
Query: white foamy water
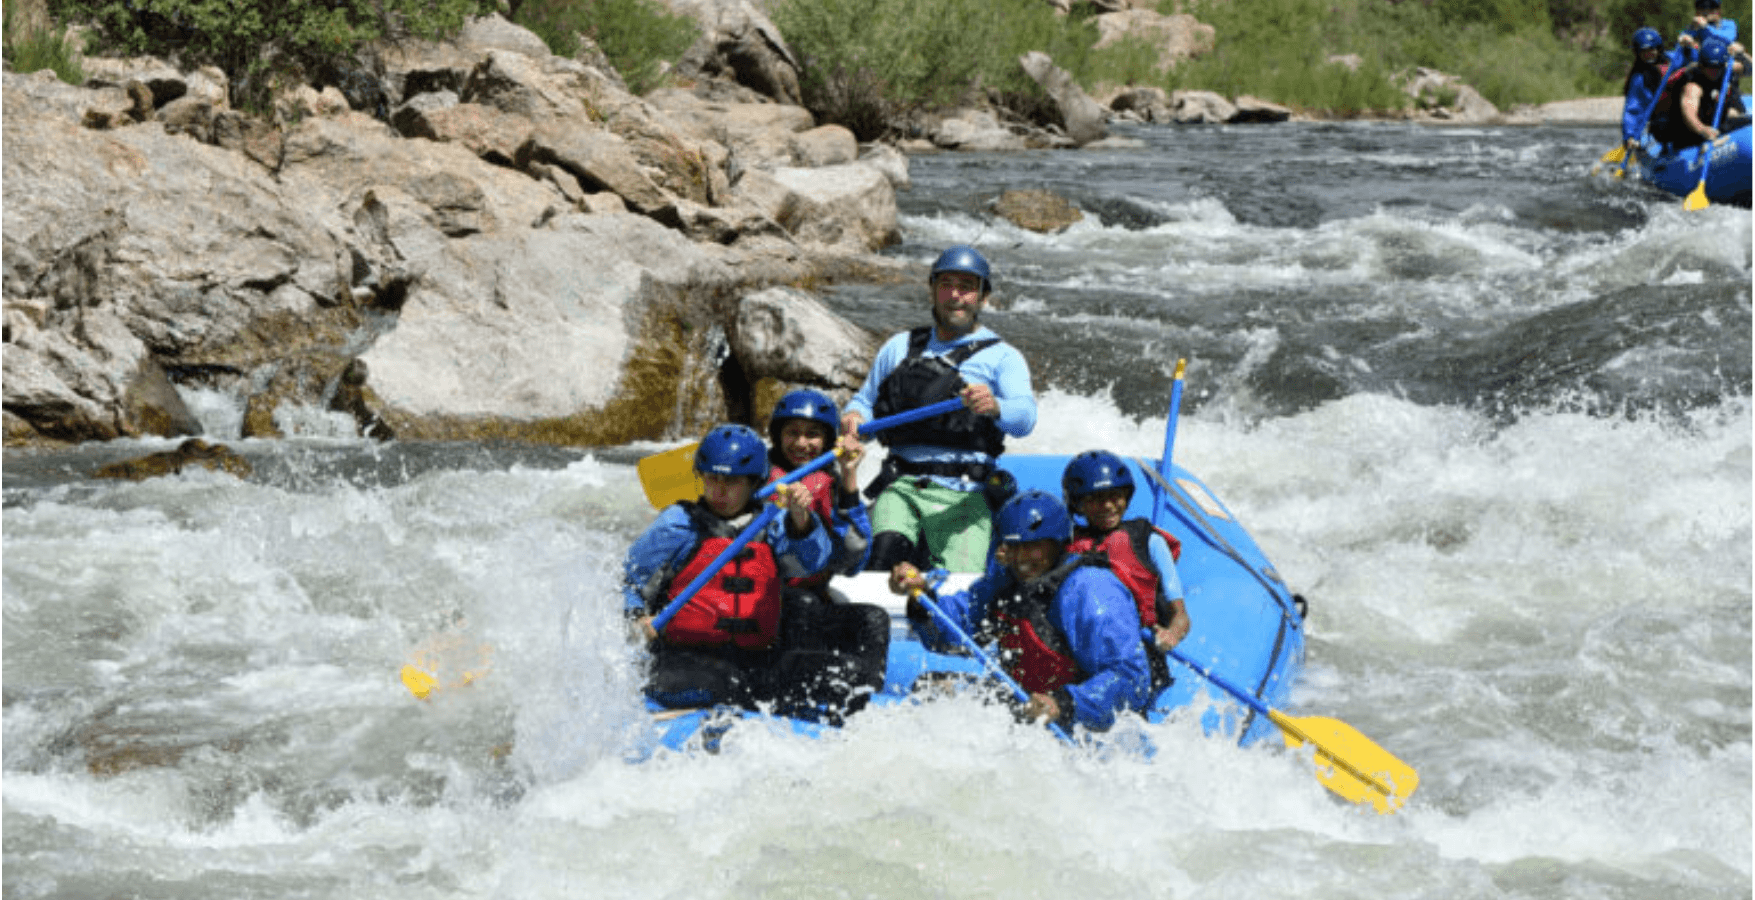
[202, 696]
[1495, 425]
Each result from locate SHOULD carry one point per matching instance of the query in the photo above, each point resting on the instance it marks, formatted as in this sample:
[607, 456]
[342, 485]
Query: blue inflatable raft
[1727, 179]
[1247, 627]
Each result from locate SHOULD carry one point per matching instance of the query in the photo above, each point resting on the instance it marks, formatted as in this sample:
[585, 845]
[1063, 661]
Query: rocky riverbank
[516, 247]
[524, 251]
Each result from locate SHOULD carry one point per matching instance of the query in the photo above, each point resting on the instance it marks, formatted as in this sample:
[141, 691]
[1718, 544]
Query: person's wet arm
[1103, 625]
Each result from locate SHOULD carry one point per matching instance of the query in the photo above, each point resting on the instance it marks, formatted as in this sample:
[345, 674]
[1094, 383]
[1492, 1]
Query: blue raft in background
[1727, 180]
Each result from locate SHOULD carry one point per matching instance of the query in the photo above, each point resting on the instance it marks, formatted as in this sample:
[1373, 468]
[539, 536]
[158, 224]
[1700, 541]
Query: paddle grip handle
[754, 528]
[926, 599]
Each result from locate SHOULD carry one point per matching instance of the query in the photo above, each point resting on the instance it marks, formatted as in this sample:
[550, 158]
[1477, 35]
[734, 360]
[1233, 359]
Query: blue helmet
[1707, 4]
[1093, 471]
[963, 258]
[1033, 516]
[1647, 39]
[803, 404]
[732, 450]
[1715, 53]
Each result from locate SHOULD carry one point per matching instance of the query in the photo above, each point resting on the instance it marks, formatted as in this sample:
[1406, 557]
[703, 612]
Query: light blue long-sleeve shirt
[1101, 622]
[664, 549]
[1725, 30]
[1001, 367]
[1169, 583]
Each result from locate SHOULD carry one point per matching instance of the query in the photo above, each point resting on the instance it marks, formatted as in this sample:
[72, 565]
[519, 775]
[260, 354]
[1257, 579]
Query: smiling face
[727, 495]
[1103, 509]
[956, 303]
[1028, 559]
[802, 440]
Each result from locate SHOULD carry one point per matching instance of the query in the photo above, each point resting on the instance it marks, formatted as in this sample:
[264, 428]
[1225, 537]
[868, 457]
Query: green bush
[34, 48]
[868, 63]
[261, 44]
[638, 36]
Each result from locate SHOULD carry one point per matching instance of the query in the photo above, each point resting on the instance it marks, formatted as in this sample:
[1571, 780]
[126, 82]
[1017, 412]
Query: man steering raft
[934, 498]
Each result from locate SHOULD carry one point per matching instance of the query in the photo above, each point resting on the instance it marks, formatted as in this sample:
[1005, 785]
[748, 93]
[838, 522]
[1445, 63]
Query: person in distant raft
[1098, 486]
[1068, 629]
[934, 498]
[1645, 78]
[1708, 23]
[855, 637]
[1683, 115]
[723, 645]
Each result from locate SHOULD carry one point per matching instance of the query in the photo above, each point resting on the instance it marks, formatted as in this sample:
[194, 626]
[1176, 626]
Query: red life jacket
[740, 605]
[1130, 555]
[1035, 652]
[822, 502]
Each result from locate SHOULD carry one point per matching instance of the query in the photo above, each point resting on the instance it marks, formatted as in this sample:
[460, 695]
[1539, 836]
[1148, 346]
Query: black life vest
[1035, 652]
[740, 605]
[1128, 549]
[1667, 124]
[920, 380]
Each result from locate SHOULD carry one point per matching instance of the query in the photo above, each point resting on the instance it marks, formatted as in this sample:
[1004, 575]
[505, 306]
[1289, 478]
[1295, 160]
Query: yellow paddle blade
[419, 683]
[1615, 155]
[670, 476]
[1349, 763]
[1697, 198]
[440, 654]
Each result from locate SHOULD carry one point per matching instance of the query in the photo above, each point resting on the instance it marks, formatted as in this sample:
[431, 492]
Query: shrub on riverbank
[638, 36]
[260, 44]
[32, 46]
[867, 61]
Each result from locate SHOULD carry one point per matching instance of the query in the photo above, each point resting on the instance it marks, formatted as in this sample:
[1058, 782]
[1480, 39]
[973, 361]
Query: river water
[1491, 418]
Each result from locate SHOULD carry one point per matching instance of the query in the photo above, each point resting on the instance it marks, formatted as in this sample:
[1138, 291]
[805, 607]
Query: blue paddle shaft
[912, 415]
[1724, 89]
[750, 531]
[754, 528]
[1213, 677]
[901, 418]
[1645, 117]
[982, 657]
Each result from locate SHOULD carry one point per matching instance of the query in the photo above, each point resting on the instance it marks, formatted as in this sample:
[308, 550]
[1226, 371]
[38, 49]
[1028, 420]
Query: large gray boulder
[1081, 116]
[739, 42]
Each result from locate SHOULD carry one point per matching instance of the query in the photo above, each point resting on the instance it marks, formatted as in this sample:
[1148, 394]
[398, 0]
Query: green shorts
[957, 525]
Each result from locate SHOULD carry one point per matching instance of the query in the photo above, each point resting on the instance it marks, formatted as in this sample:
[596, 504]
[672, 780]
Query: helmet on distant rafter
[1032, 516]
[1715, 53]
[732, 450]
[1093, 471]
[1647, 39]
[963, 258]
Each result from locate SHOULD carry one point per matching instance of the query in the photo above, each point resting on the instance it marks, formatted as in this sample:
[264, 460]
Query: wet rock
[1043, 212]
[192, 452]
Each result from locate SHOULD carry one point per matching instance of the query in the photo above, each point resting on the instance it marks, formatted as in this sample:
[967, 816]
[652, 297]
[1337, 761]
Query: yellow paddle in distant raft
[669, 476]
[1696, 198]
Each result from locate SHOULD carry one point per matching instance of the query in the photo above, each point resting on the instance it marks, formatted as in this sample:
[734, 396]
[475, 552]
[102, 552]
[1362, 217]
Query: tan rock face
[1043, 212]
[525, 249]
